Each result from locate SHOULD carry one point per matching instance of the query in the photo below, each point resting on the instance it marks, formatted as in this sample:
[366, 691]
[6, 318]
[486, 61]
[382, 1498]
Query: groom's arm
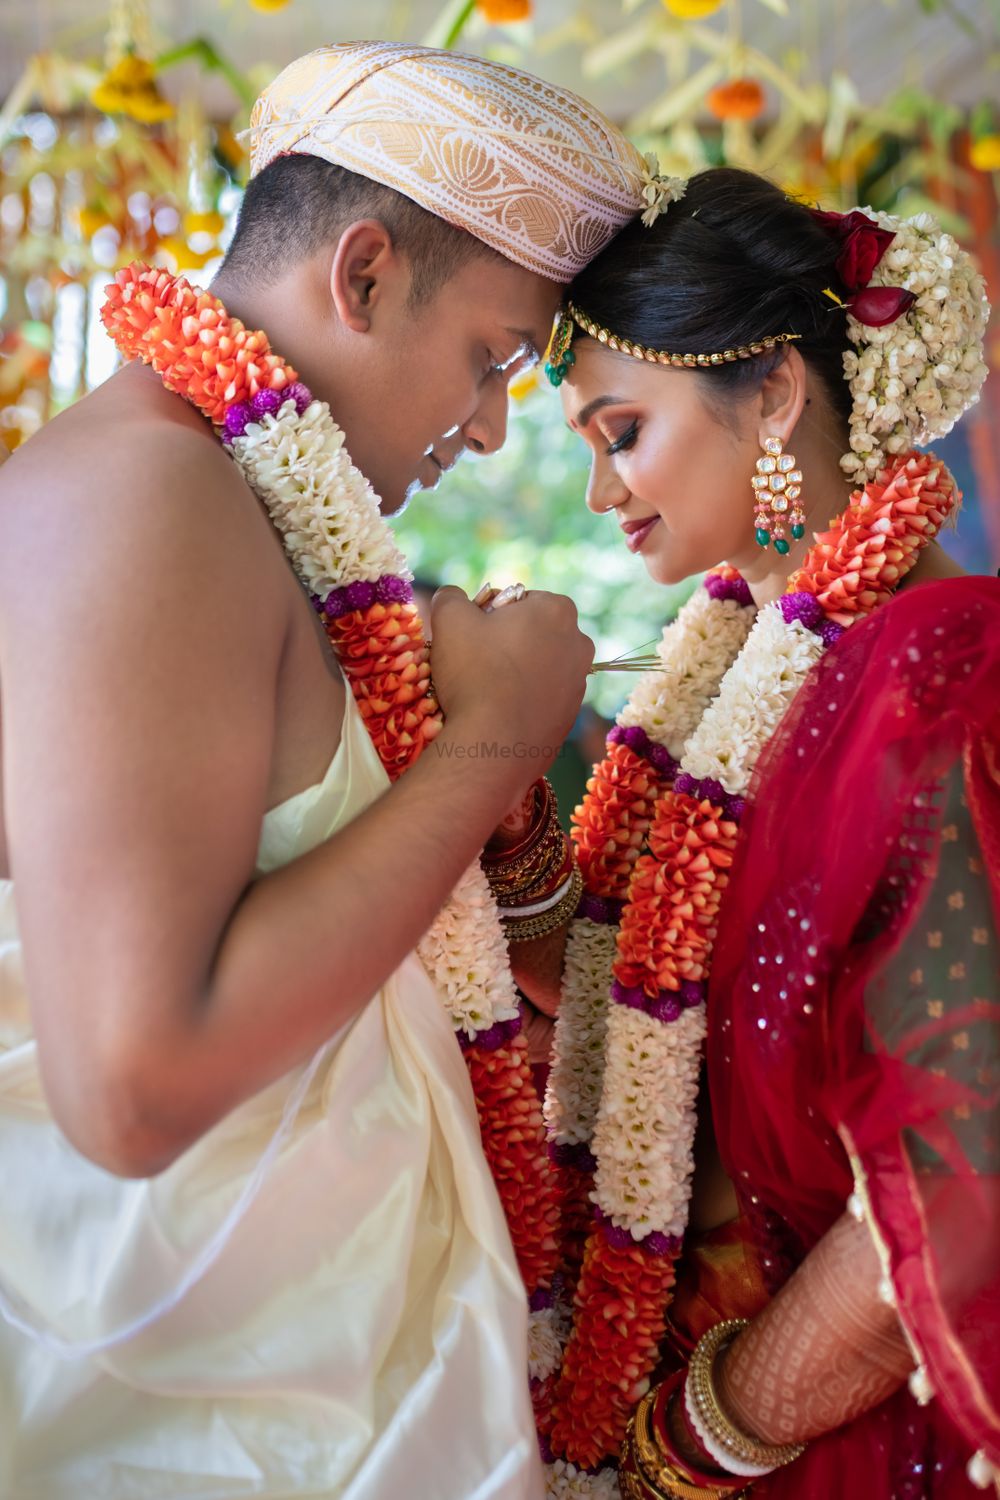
[140, 704]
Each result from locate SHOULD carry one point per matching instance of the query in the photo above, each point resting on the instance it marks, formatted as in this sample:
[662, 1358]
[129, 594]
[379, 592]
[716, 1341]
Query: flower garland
[655, 838]
[624, 1117]
[292, 454]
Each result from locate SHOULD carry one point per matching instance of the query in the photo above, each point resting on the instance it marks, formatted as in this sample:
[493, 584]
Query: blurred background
[118, 139]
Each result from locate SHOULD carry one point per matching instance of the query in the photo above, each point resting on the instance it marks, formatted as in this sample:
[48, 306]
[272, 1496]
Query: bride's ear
[782, 398]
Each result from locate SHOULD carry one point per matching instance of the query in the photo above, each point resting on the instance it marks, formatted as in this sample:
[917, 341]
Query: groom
[163, 685]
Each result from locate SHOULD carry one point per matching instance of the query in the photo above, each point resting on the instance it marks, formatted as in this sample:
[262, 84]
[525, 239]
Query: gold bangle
[704, 1402]
[658, 1468]
[646, 1474]
[526, 929]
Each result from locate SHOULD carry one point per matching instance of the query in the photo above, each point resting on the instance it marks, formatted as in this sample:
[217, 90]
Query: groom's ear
[366, 267]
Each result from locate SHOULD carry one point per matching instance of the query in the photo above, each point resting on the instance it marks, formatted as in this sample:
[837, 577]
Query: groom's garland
[679, 762]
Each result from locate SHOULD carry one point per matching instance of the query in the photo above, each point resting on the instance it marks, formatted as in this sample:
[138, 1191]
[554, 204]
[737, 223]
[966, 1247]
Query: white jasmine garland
[753, 698]
[912, 379]
[695, 650]
[577, 1068]
[329, 519]
[644, 1140]
[564, 1481]
[325, 509]
[465, 954]
[548, 1330]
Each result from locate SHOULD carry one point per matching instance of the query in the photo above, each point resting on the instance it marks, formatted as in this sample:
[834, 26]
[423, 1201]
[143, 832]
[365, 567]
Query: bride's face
[676, 478]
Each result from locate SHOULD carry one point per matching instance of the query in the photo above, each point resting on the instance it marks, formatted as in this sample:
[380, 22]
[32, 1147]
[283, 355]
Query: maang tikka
[777, 487]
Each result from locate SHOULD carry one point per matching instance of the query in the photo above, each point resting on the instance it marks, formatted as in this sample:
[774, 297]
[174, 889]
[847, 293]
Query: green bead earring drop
[777, 486]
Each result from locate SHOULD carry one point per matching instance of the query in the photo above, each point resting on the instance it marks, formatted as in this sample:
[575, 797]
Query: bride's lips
[636, 532]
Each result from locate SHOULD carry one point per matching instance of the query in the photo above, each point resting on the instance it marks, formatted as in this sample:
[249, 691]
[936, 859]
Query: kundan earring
[777, 486]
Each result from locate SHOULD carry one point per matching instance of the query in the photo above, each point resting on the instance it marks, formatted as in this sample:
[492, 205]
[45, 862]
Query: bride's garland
[628, 1044]
[621, 1106]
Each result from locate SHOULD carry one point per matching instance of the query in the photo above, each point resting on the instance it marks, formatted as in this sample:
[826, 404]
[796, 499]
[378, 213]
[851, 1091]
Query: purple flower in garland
[266, 403]
[360, 595]
[237, 417]
[299, 393]
[802, 606]
[666, 1007]
[830, 632]
[391, 589]
[632, 995]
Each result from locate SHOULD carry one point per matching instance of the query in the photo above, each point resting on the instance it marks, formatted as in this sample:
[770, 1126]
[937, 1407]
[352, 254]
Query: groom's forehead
[527, 168]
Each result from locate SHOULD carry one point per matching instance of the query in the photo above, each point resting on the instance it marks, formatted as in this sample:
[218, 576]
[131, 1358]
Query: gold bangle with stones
[645, 1473]
[526, 929]
[706, 1410]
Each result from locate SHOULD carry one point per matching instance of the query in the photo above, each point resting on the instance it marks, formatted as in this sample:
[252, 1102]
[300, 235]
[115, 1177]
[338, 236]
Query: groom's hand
[515, 677]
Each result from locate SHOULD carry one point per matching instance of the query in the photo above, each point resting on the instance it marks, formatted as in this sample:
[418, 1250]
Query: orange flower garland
[387, 663]
[190, 340]
[610, 826]
[619, 1322]
[513, 1131]
[857, 563]
[673, 902]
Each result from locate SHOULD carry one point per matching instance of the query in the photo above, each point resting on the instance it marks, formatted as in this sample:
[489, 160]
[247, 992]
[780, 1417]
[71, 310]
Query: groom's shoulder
[127, 478]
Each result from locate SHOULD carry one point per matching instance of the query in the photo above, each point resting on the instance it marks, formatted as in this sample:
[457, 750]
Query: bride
[788, 1113]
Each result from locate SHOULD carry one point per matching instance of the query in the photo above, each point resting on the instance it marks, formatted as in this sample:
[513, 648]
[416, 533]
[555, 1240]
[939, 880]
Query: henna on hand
[826, 1349]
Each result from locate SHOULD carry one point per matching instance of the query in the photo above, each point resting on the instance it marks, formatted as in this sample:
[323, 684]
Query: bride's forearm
[827, 1349]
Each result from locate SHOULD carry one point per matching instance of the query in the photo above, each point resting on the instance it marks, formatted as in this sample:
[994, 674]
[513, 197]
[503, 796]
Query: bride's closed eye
[626, 440]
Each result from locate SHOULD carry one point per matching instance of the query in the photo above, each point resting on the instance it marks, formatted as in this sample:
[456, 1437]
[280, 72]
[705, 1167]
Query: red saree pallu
[854, 1019]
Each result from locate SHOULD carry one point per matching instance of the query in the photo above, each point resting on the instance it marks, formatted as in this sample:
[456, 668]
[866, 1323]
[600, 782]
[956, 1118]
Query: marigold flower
[739, 99]
[129, 88]
[984, 154]
[499, 12]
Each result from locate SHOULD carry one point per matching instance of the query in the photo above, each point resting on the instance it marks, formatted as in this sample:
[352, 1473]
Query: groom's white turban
[531, 170]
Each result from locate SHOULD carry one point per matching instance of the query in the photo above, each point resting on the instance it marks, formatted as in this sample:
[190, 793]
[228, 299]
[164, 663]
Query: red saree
[854, 1016]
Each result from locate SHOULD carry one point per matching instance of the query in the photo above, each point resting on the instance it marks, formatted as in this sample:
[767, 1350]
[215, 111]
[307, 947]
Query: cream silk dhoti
[319, 1298]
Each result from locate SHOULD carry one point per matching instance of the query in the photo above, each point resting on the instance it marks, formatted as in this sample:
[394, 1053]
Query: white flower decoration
[754, 696]
[912, 380]
[695, 651]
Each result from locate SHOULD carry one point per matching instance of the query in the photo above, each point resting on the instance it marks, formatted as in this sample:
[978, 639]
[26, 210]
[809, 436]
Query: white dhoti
[319, 1298]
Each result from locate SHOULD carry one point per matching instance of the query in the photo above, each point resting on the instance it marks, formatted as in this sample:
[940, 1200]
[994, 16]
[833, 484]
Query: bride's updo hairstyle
[735, 261]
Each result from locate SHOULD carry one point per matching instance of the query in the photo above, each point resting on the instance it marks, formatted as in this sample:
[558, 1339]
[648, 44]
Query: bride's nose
[605, 490]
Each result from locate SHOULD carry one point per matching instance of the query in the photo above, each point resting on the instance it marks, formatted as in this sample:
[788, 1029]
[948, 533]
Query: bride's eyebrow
[586, 413]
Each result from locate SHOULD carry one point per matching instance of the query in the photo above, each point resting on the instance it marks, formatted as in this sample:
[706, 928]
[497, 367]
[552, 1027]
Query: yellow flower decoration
[692, 10]
[183, 257]
[91, 220]
[984, 154]
[268, 5]
[207, 223]
[129, 88]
